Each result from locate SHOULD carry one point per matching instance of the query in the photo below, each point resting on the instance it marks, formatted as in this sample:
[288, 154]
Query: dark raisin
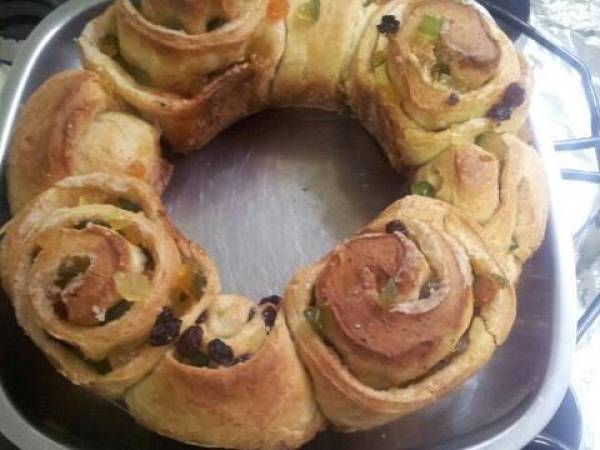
[215, 23]
[128, 205]
[499, 112]
[272, 299]
[73, 266]
[462, 345]
[85, 223]
[202, 317]
[428, 288]
[251, 314]
[149, 265]
[220, 352]
[101, 367]
[35, 253]
[117, 311]
[189, 342]
[269, 315]
[514, 96]
[389, 25]
[452, 100]
[395, 226]
[165, 329]
[60, 309]
[243, 358]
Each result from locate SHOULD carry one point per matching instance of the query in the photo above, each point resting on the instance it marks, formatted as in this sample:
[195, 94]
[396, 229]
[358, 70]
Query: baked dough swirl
[98, 277]
[179, 62]
[400, 314]
[90, 131]
[502, 184]
[234, 380]
[431, 73]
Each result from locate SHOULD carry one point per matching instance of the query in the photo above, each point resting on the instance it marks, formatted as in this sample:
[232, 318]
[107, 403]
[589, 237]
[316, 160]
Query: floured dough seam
[488, 330]
[279, 62]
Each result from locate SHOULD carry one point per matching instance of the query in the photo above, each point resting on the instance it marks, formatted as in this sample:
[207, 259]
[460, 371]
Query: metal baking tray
[272, 193]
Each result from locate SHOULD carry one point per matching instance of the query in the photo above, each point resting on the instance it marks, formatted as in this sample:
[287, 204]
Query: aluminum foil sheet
[575, 25]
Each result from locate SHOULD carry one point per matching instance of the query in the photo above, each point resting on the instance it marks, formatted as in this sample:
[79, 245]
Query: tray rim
[555, 382]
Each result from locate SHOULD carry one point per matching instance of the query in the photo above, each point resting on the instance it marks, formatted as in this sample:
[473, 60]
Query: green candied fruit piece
[387, 296]
[128, 205]
[198, 283]
[499, 280]
[313, 315]
[309, 11]
[320, 317]
[379, 59]
[198, 359]
[431, 26]
[423, 188]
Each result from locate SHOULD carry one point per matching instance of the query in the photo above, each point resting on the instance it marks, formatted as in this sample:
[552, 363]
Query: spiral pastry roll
[194, 66]
[501, 183]
[99, 279]
[73, 126]
[321, 40]
[233, 380]
[399, 314]
[432, 73]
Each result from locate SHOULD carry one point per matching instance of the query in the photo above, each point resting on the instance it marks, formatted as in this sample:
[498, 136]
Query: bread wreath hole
[277, 191]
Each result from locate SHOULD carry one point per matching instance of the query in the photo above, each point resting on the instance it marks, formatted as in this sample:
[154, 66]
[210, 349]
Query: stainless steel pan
[270, 194]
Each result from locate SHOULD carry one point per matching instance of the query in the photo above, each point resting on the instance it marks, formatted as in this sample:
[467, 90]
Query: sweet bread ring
[234, 380]
[90, 131]
[90, 264]
[436, 321]
[387, 323]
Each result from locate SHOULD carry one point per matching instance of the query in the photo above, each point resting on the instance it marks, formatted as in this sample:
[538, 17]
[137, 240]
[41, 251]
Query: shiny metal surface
[274, 192]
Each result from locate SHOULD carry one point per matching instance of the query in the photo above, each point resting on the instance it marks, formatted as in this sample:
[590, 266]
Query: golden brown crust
[500, 182]
[90, 131]
[413, 117]
[317, 54]
[239, 88]
[351, 404]
[39, 274]
[264, 402]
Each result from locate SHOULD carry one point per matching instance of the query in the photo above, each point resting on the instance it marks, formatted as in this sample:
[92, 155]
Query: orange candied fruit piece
[277, 9]
[136, 169]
